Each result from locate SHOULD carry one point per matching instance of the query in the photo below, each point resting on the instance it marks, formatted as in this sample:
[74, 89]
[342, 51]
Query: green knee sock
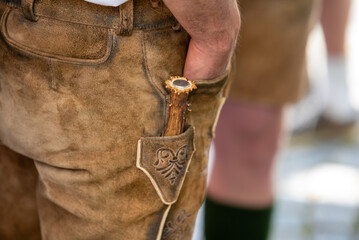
[232, 223]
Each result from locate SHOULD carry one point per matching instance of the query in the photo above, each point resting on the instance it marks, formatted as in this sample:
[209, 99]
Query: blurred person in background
[338, 111]
[270, 73]
[327, 105]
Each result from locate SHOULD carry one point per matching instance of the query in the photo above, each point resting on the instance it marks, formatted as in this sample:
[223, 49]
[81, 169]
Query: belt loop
[126, 18]
[28, 9]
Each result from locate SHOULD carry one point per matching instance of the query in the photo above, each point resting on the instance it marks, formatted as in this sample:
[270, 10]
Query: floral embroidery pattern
[174, 230]
[170, 163]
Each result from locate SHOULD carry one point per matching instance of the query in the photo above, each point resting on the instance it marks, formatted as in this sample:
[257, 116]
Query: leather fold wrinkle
[165, 160]
[56, 40]
[210, 94]
[28, 9]
[214, 85]
[126, 14]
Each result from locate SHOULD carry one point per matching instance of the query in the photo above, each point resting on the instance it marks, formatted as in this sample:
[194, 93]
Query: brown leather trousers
[82, 110]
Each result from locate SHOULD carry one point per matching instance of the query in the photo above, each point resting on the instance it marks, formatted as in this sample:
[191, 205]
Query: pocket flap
[165, 160]
[63, 41]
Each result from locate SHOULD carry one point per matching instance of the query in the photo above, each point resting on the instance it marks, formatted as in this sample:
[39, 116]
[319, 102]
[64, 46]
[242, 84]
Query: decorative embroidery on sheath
[174, 230]
[170, 163]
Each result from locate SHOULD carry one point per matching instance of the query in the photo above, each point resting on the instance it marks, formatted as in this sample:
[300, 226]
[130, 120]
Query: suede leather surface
[80, 121]
[270, 64]
[165, 160]
[18, 210]
[41, 38]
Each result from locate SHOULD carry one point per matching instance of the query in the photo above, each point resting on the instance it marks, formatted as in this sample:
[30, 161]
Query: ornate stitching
[170, 163]
[174, 230]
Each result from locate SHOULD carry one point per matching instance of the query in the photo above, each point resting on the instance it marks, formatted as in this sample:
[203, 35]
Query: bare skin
[334, 22]
[213, 26]
[246, 142]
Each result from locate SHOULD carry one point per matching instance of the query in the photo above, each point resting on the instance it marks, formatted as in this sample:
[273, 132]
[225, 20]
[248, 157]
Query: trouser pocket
[56, 40]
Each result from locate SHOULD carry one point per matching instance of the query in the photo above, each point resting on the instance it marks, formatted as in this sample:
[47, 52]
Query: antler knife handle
[179, 88]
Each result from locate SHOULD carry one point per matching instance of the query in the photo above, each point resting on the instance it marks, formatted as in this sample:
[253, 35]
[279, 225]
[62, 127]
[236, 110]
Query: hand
[213, 26]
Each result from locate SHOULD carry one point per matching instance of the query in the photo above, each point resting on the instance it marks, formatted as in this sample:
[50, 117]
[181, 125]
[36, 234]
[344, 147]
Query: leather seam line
[148, 71]
[79, 23]
[162, 224]
[135, 29]
[153, 182]
[28, 50]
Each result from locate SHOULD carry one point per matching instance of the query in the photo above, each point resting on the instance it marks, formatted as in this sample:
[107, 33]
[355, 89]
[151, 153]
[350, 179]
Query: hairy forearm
[213, 22]
[213, 26]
